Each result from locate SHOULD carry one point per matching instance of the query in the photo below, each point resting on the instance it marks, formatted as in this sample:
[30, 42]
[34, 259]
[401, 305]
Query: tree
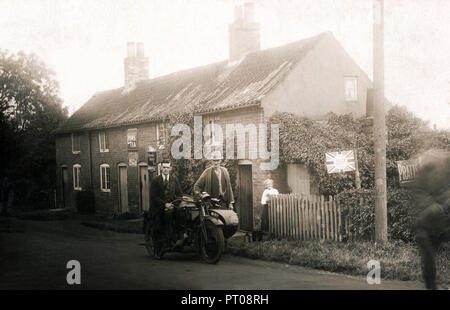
[30, 110]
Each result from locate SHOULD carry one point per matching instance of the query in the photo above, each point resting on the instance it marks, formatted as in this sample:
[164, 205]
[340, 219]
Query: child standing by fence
[262, 216]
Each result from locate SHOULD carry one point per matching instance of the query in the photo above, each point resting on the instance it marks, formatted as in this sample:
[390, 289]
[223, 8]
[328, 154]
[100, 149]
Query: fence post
[325, 217]
[314, 220]
[294, 198]
[300, 209]
[277, 217]
[289, 216]
[297, 216]
[333, 218]
[269, 211]
[336, 228]
[294, 216]
[308, 213]
[339, 219]
[284, 216]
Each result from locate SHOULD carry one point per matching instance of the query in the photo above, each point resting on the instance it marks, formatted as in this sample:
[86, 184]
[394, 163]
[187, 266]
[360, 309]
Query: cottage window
[351, 88]
[105, 178]
[76, 143]
[214, 136]
[161, 134]
[103, 141]
[76, 177]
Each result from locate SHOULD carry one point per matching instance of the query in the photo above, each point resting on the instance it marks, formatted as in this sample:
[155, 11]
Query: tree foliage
[30, 110]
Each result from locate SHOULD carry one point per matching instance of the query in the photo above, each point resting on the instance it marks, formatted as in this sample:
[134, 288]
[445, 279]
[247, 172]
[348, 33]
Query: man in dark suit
[164, 189]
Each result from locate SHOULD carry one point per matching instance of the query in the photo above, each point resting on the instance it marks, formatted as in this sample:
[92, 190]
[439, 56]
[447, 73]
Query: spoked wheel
[212, 248]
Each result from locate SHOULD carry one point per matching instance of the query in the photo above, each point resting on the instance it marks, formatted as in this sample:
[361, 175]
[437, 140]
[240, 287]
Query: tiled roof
[214, 87]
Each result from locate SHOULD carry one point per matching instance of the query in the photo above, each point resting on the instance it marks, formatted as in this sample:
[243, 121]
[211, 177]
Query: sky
[84, 41]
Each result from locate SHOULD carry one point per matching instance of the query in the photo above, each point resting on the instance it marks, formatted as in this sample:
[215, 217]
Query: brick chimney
[244, 32]
[135, 65]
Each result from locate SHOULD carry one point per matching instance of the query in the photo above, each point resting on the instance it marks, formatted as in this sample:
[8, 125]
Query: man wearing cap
[215, 180]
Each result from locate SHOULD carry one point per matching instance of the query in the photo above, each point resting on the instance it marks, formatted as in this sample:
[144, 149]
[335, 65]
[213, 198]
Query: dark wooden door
[245, 197]
[65, 187]
[123, 187]
[144, 188]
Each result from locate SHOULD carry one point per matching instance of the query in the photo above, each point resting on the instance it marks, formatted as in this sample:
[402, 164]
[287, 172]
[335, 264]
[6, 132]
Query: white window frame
[212, 121]
[79, 143]
[102, 139]
[158, 134]
[76, 172]
[104, 174]
[354, 81]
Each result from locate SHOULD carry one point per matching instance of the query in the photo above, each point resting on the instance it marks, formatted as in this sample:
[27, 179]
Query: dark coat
[159, 196]
[204, 184]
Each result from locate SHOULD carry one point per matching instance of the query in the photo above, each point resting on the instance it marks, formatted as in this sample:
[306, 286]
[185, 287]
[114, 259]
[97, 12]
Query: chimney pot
[244, 36]
[140, 49]
[135, 65]
[238, 14]
[131, 49]
[249, 12]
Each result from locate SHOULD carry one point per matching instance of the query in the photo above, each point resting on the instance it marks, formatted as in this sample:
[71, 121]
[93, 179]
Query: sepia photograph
[220, 151]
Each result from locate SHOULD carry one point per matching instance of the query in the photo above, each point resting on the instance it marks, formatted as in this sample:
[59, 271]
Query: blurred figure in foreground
[431, 190]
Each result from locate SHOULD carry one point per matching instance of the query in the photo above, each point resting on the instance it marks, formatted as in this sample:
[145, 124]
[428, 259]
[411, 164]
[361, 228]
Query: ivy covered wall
[305, 141]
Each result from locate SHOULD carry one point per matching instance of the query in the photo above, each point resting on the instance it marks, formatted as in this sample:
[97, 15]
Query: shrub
[400, 213]
[85, 202]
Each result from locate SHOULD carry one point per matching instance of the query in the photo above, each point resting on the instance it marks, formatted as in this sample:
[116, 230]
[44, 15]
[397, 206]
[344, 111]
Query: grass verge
[398, 260]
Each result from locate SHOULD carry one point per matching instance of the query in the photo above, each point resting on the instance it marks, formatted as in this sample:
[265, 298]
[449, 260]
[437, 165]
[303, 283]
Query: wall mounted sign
[132, 138]
[132, 159]
[340, 161]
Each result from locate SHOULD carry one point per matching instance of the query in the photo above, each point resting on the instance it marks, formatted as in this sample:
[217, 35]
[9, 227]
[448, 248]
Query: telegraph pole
[379, 123]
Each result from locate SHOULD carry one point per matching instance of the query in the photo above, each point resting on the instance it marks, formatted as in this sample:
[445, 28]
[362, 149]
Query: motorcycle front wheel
[211, 249]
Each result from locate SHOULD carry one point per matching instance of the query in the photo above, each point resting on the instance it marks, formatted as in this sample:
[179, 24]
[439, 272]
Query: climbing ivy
[306, 141]
[189, 170]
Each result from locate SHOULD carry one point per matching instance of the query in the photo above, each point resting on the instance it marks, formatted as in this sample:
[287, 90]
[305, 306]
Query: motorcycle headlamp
[214, 214]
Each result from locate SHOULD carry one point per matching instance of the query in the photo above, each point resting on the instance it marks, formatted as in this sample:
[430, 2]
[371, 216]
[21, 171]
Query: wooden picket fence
[302, 217]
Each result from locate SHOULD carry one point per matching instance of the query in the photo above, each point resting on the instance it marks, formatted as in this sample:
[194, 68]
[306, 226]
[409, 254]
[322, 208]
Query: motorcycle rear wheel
[212, 249]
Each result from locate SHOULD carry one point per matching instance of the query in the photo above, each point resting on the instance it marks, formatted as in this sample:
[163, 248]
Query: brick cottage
[104, 146]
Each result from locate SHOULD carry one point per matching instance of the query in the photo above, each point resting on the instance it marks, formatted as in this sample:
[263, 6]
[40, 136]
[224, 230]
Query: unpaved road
[33, 255]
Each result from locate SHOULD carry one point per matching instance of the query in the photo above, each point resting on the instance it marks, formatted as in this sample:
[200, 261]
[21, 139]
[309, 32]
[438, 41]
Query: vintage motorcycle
[205, 222]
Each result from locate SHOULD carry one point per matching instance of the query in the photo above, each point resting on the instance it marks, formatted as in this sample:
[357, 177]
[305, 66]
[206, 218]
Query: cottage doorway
[65, 185]
[144, 187]
[298, 179]
[245, 197]
[123, 188]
